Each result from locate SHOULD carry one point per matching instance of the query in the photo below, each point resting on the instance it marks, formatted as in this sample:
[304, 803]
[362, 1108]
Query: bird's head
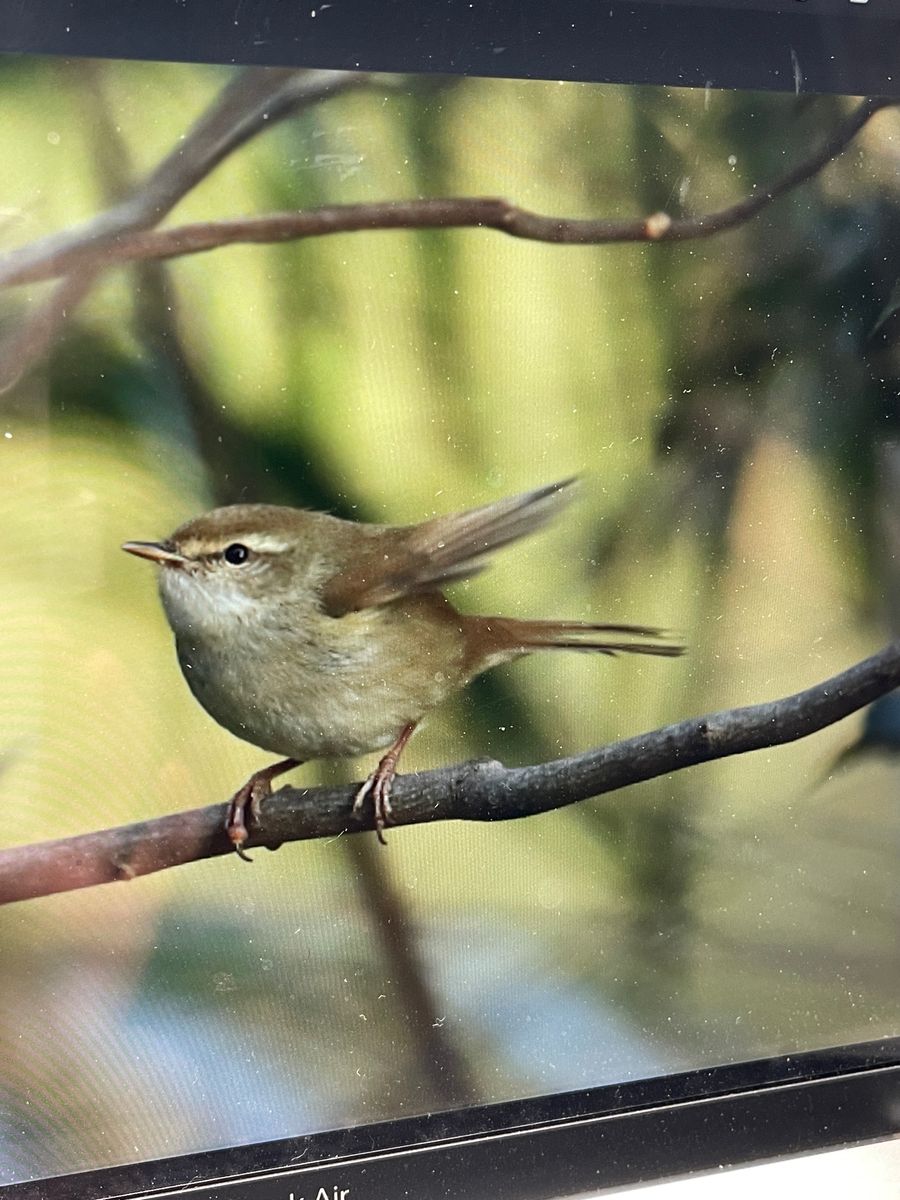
[232, 564]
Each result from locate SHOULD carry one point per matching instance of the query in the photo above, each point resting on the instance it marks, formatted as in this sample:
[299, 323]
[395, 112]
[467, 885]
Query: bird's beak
[157, 552]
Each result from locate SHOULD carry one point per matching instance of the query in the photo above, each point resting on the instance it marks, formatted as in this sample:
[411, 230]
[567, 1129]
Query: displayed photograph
[452, 557]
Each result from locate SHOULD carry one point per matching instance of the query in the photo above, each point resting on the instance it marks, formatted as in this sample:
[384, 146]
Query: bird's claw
[378, 786]
[247, 800]
[250, 798]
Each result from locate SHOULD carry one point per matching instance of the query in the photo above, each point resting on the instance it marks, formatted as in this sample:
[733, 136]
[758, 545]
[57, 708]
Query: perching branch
[473, 791]
[56, 256]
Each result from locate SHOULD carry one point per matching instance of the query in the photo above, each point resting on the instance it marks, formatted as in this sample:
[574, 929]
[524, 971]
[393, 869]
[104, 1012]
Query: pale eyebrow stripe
[256, 543]
[265, 545]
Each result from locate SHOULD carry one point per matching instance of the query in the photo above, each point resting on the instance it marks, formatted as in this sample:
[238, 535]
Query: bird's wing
[423, 558]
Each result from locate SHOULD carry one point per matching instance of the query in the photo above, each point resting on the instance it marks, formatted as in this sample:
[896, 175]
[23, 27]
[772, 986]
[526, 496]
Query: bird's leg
[378, 785]
[257, 788]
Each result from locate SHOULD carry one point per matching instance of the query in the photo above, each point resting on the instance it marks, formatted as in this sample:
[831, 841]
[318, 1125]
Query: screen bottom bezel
[549, 1146]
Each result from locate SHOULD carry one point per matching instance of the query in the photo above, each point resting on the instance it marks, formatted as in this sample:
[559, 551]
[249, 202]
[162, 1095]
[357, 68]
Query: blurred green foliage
[724, 401]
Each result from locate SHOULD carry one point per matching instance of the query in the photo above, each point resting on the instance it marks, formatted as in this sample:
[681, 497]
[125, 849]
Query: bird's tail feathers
[512, 637]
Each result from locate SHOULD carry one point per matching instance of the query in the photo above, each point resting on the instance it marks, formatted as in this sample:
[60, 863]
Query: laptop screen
[236, 298]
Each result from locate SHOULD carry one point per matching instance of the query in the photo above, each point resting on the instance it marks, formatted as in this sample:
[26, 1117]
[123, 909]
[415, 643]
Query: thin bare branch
[445, 1074]
[255, 100]
[475, 791]
[34, 337]
[45, 260]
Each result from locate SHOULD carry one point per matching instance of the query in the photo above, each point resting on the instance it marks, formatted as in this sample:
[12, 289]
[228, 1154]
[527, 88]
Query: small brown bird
[315, 637]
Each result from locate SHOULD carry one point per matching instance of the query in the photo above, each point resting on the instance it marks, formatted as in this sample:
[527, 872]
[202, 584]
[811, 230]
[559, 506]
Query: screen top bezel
[783, 45]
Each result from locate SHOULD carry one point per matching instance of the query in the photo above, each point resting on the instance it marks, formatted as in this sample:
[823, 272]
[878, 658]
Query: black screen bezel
[546, 1147]
[835, 45]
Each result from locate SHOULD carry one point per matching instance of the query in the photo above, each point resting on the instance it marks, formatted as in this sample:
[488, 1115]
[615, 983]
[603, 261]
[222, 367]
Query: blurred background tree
[724, 400]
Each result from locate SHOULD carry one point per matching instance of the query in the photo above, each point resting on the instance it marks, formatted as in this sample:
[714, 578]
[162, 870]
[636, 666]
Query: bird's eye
[235, 554]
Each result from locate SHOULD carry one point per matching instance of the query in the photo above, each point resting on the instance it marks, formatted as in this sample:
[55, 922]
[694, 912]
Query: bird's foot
[246, 803]
[378, 786]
